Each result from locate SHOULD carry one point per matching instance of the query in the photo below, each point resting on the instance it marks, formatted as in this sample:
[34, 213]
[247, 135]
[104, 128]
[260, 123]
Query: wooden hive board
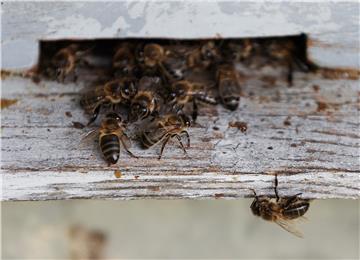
[308, 137]
[316, 150]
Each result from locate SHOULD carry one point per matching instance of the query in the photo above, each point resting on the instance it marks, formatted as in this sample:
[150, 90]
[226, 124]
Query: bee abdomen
[207, 99]
[110, 148]
[297, 211]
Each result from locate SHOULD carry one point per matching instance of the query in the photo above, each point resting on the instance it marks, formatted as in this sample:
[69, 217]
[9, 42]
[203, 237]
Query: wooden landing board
[307, 134]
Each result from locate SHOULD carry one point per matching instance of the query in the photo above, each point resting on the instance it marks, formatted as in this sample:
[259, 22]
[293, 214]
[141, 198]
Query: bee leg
[163, 146]
[195, 110]
[126, 148]
[181, 144]
[60, 75]
[94, 115]
[75, 77]
[187, 137]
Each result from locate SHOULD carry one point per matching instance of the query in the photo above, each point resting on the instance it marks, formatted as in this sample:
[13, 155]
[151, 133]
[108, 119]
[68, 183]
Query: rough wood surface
[307, 134]
[333, 27]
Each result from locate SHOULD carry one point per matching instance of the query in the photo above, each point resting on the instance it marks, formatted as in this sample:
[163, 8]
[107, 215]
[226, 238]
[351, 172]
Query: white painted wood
[317, 154]
[333, 27]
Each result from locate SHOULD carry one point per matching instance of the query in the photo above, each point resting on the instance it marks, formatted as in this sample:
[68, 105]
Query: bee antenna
[255, 195]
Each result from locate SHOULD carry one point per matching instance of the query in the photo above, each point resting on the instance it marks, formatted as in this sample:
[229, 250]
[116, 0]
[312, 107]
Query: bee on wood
[228, 86]
[164, 128]
[147, 102]
[204, 56]
[65, 61]
[124, 62]
[164, 61]
[184, 91]
[283, 211]
[110, 94]
[111, 136]
[239, 51]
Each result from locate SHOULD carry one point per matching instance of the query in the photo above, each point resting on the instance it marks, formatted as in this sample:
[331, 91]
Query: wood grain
[314, 148]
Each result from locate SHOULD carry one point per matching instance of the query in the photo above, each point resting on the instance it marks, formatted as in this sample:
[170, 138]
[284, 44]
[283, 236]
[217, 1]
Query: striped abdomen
[296, 210]
[110, 148]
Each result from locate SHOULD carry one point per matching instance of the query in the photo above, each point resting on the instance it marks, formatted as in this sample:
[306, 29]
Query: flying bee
[228, 86]
[283, 211]
[124, 62]
[111, 136]
[65, 61]
[203, 56]
[110, 94]
[164, 128]
[184, 91]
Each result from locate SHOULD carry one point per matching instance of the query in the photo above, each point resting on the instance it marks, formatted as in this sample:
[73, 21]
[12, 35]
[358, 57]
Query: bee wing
[290, 226]
[88, 137]
[126, 140]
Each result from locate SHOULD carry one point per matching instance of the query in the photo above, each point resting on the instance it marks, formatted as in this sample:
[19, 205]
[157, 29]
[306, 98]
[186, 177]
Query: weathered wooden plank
[333, 27]
[307, 134]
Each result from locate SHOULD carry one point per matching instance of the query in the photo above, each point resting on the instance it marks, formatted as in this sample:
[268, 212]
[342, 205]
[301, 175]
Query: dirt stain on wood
[154, 188]
[338, 73]
[321, 106]
[242, 126]
[316, 88]
[287, 121]
[5, 103]
[68, 114]
[219, 195]
[78, 125]
[117, 174]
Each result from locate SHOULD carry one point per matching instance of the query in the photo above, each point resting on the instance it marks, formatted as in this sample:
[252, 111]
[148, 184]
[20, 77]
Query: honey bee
[64, 62]
[144, 104]
[164, 128]
[111, 136]
[124, 62]
[184, 91]
[164, 60]
[228, 86]
[240, 51]
[204, 56]
[283, 211]
[147, 101]
[110, 94]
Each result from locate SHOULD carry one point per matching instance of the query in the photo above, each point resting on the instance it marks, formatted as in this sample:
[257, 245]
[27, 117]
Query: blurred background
[217, 229]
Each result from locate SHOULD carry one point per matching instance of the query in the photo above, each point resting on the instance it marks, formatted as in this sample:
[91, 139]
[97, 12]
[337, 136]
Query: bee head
[178, 91]
[210, 52]
[153, 53]
[140, 107]
[128, 89]
[255, 207]
[185, 119]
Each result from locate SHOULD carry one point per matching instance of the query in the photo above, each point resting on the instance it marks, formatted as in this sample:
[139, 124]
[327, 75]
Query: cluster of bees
[158, 86]
[161, 83]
